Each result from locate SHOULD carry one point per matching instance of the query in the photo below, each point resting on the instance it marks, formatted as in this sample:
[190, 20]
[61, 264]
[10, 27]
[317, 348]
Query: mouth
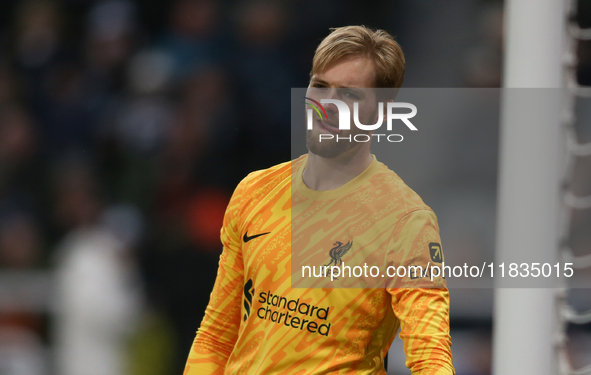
[328, 127]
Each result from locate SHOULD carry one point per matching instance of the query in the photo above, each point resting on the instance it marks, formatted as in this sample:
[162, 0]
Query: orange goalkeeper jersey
[257, 322]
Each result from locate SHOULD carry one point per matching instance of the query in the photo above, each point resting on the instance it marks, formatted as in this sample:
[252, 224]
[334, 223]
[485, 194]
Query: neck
[329, 174]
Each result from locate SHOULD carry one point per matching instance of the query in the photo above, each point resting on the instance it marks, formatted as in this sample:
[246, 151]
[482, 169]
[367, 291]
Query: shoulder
[259, 184]
[266, 176]
[257, 190]
[403, 196]
[259, 181]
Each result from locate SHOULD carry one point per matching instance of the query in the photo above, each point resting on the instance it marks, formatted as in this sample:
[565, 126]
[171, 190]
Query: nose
[332, 93]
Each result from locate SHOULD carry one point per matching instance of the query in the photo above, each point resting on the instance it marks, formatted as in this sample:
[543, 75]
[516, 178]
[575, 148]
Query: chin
[328, 151]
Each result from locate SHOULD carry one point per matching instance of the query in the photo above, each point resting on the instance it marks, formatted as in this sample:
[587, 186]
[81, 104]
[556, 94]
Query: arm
[424, 329]
[423, 312]
[219, 329]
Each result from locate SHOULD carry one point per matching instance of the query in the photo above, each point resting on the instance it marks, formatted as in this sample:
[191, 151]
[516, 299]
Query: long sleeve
[424, 329]
[218, 332]
[423, 312]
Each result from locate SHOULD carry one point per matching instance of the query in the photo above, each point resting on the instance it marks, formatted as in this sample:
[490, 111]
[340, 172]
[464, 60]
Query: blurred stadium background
[124, 127]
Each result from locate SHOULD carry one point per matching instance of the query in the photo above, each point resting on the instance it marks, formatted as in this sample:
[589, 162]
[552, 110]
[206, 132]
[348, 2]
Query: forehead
[355, 71]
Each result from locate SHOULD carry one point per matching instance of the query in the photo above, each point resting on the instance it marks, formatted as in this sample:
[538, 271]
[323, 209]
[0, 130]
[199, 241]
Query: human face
[347, 80]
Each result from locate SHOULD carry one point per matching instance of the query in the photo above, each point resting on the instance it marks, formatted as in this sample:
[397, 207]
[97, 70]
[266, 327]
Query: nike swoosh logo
[246, 238]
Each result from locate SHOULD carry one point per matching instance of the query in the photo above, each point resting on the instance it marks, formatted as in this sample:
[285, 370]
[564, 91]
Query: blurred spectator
[137, 123]
[98, 297]
[486, 59]
[192, 41]
[97, 303]
[65, 112]
[17, 140]
[10, 85]
[110, 31]
[22, 351]
[76, 196]
[112, 35]
[38, 33]
[265, 71]
[20, 167]
[20, 242]
[37, 46]
[145, 114]
[190, 207]
[201, 140]
[205, 215]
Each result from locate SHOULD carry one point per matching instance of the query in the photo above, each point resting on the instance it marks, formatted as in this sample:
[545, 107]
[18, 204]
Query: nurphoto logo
[344, 119]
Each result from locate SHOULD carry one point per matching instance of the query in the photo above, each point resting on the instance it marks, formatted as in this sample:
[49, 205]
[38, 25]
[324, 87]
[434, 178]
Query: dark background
[136, 119]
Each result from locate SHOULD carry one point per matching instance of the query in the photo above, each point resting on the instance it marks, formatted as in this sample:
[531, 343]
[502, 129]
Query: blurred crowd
[123, 130]
[124, 127]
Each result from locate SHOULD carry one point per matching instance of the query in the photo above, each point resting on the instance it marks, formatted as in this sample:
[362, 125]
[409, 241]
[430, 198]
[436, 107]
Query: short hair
[385, 53]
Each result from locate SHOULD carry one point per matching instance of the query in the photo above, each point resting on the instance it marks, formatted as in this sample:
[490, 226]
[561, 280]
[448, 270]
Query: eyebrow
[318, 80]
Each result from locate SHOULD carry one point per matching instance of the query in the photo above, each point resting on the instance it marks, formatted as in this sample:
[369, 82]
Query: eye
[351, 95]
[317, 85]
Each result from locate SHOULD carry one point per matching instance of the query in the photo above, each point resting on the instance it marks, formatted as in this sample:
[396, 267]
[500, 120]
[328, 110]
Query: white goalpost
[527, 321]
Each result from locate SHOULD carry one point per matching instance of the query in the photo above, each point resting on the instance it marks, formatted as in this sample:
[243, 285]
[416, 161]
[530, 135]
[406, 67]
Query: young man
[340, 200]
